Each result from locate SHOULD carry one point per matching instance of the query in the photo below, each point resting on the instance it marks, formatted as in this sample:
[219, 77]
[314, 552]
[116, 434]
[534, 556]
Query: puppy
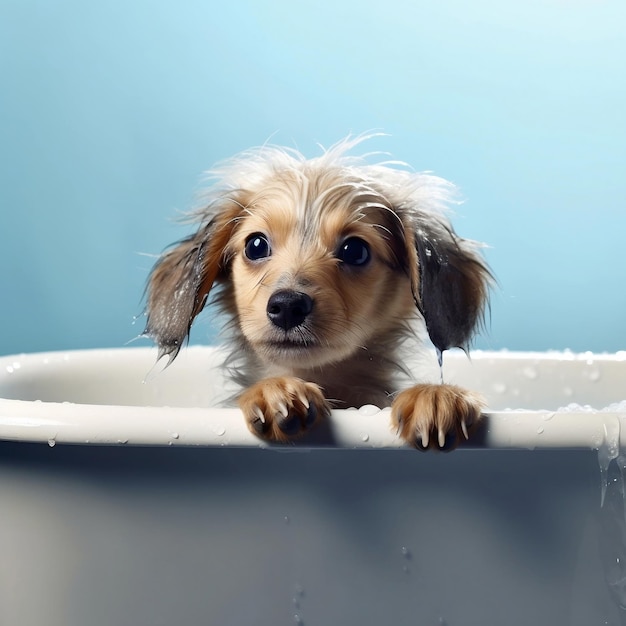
[325, 267]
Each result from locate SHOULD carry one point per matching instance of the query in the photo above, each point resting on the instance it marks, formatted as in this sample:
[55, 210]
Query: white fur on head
[253, 168]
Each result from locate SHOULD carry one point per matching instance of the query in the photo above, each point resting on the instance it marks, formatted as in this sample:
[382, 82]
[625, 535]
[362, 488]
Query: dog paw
[280, 409]
[436, 416]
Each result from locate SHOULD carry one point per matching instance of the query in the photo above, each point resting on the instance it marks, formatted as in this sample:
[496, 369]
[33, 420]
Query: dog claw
[282, 410]
[304, 400]
[464, 429]
[441, 437]
[425, 439]
[259, 414]
[311, 414]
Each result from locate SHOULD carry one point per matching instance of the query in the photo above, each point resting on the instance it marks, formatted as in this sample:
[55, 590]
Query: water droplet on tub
[175, 435]
[530, 372]
[296, 600]
[286, 519]
[407, 556]
[540, 430]
[52, 442]
[369, 409]
[365, 437]
[220, 431]
[607, 451]
[613, 525]
[594, 375]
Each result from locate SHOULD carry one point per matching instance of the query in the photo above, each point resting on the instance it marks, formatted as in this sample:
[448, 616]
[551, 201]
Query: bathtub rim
[116, 424]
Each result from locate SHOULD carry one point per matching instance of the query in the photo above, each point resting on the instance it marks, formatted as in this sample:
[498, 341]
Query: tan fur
[426, 411]
[345, 350]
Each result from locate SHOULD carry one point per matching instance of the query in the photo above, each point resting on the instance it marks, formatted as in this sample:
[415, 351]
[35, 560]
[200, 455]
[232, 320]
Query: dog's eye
[354, 251]
[257, 247]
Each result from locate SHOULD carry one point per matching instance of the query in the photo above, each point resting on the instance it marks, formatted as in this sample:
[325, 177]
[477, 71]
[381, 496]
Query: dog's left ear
[450, 282]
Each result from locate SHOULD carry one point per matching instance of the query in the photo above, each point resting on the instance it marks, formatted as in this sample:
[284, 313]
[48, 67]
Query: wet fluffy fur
[324, 267]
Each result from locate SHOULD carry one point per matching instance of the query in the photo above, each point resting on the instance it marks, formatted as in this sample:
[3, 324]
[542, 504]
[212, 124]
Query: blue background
[110, 112]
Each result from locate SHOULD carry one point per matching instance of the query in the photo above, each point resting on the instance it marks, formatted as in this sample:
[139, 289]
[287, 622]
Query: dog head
[317, 259]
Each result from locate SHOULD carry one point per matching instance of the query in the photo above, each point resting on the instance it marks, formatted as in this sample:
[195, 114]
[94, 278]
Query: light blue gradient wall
[110, 111]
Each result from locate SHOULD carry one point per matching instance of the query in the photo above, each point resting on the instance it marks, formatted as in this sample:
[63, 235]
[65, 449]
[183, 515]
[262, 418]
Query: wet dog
[325, 268]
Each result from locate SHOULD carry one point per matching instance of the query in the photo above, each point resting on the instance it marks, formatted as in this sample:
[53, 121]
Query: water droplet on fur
[439, 356]
[440, 362]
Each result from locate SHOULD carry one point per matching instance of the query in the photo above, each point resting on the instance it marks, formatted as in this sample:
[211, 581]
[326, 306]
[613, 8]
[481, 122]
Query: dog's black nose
[288, 309]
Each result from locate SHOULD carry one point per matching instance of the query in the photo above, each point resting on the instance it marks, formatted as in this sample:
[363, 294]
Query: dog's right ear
[450, 281]
[180, 281]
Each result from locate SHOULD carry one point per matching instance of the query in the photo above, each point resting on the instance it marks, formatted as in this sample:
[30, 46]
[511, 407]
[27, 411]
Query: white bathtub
[167, 512]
